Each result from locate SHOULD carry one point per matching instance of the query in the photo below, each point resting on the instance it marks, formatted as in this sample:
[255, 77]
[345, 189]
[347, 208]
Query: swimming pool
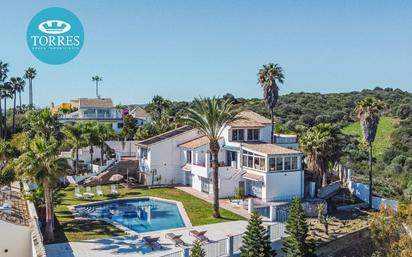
[140, 215]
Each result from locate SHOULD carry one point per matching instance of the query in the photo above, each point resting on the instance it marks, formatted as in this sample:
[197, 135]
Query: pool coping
[180, 206]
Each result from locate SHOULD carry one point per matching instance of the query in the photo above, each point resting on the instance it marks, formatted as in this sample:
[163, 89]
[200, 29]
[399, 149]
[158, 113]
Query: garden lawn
[382, 140]
[70, 229]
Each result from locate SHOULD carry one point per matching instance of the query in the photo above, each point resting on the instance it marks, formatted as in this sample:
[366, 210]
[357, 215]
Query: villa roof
[95, 103]
[266, 148]
[249, 119]
[138, 112]
[164, 136]
[195, 143]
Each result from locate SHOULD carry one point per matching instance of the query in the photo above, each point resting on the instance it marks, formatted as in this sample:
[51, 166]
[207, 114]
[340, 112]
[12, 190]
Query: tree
[368, 111]
[322, 144]
[97, 79]
[104, 132]
[6, 92]
[159, 109]
[16, 85]
[43, 123]
[42, 163]
[296, 243]
[210, 116]
[197, 250]
[90, 136]
[73, 135]
[256, 240]
[4, 69]
[30, 74]
[268, 77]
[129, 127]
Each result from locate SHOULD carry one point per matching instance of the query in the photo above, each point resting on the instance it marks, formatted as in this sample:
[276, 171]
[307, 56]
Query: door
[188, 178]
[205, 185]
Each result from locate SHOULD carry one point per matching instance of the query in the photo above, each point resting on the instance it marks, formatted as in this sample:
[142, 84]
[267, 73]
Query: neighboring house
[141, 116]
[94, 109]
[267, 171]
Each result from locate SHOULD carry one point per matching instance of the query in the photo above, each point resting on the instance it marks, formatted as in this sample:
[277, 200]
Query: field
[382, 140]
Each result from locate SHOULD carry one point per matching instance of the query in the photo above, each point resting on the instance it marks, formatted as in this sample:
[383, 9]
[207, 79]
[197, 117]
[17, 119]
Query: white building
[141, 116]
[94, 109]
[247, 159]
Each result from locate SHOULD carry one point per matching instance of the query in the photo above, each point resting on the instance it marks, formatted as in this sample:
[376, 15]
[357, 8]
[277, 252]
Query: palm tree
[21, 89]
[210, 116]
[43, 123]
[42, 163]
[16, 85]
[322, 144]
[97, 79]
[368, 112]
[104, 132]
[268, 77]
[6, 92]
[73, 134]
[90, 136]
[30, 74]
[4, 69]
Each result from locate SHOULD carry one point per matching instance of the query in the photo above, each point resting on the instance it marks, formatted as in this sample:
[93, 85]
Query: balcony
[116, 116]
[285, 139]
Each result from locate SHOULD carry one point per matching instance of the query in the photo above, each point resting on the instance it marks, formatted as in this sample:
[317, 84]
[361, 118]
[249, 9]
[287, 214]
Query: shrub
[399, 160]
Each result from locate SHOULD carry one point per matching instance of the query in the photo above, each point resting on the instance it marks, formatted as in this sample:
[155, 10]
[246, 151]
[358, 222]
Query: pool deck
[133, 246]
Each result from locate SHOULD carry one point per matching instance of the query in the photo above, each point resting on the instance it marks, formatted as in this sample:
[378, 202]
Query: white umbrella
[116, 178]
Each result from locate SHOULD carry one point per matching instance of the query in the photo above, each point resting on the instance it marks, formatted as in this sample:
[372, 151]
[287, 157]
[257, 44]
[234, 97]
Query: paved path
[223, 203]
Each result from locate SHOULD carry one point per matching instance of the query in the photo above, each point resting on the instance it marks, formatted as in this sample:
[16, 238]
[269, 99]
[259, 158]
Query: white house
[140, 115]
[267, 171]
[94, 109]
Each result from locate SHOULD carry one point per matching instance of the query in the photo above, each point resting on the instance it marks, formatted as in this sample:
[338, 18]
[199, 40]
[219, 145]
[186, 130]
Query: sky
[185, 49]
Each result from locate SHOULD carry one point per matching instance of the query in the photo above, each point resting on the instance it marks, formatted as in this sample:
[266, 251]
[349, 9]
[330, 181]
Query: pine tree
[197, 250]
[256, 241]
[296, 244]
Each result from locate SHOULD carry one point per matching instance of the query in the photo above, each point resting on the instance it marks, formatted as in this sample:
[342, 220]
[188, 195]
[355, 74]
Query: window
[294, 163]
[253, 134]
[254, 161]
[279, 163]
[272, 163]
[189, 156]
[143, 153]
[287, 163]
[238, 134]
[120, 125]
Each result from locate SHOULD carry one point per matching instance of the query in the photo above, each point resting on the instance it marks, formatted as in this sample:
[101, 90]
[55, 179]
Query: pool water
[140, 215]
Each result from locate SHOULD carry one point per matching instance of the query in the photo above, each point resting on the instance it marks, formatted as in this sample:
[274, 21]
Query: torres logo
[55, 35]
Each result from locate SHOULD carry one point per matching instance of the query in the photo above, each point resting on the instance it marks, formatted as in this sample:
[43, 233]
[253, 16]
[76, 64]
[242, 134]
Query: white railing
[216, 249]
[276, 231]
[175, 254]
[237, 243]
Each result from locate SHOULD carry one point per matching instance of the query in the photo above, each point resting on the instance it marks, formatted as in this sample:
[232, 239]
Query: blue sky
[185, 49]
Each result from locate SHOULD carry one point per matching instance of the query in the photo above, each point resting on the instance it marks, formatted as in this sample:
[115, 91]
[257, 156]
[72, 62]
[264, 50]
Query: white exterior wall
[228, 180]
[280, 186]
[16, 239]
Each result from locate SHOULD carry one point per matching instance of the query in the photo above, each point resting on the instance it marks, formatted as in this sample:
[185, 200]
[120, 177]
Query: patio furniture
[77, 193]
[6, 207]
[200, 235]
[99, 191]
[176, 239]
[113, 190]
[153, 242]
[88, 192]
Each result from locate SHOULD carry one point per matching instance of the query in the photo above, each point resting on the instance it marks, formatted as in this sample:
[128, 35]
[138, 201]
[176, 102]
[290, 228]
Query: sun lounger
[99, 191]
[77, 193]
[176, 239]
[200, 235]
[153, 242]
[113, 190]
[88, 192]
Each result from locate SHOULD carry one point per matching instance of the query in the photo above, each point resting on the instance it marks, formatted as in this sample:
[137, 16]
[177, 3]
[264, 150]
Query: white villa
[271, 172]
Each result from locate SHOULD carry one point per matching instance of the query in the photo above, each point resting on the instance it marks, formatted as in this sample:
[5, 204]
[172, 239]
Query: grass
[382, 140]
[69, 229]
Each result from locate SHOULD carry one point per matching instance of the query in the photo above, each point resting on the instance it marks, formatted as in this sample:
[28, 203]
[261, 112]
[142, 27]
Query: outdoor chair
[153, 242]
[176, 239]
[113, 190]
[200, 235]
[77, 193]
[88, 192]
[99, 191]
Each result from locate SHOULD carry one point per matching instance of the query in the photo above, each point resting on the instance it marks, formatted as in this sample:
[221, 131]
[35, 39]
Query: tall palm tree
[4, 69]
[368, 111]
[268, 78]
[21, 89]
[73, 135]
[42, 163]
[16, 84]
[97, 79]
[210, 116]
[90, 136]
[104, 132]
[30, 74]
[43, 123]
[6, 92]
[322, 144]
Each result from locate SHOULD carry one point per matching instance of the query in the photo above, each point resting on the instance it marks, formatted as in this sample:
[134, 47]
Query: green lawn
[199, 212]
[382, 140]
